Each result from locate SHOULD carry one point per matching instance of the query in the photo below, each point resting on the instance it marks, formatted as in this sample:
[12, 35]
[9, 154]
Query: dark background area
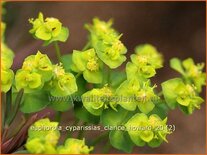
[177, 29]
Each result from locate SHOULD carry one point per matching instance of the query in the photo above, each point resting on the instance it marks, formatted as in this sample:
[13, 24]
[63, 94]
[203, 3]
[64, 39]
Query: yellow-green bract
[48, 30]
[43, 138]
[7, 75]
[177, 93]
[96, 100]
[147, 130]
[88, 64]
[134, 93]
[74, 146]
[106, 42]
[144, 63]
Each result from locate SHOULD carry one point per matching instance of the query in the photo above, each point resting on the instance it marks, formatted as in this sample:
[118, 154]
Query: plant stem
[81, 132]
[99, 138]
[106, 148]
[108, 75]
[21, 152]
[86, 46]
[8, 103]
[74, 124]
[58, 116]
[77, 75]
[3, 101]
[16, 107]
[57, 50]
[160, 94]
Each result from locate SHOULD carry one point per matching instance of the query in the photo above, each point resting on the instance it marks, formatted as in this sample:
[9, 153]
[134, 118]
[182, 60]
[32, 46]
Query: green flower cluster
[43, 138]
[184, 91]
[37, 71]
[62, 83]
[135, 94]
[98, 99]
[74, 146]
[151, 130]
[135, 91]
[177, 93]
[7, 56]
[48, 30]
[191, 72]
[144, 63]
[88, 64]
[106, 42]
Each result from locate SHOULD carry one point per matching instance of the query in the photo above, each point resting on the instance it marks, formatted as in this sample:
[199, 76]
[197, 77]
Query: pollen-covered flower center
[107, 92]
[115, 51]
[58, 70]
[92, 64]
[142, 59]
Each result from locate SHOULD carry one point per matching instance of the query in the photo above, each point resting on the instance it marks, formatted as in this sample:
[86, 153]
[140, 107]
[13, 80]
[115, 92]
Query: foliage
[88, 82]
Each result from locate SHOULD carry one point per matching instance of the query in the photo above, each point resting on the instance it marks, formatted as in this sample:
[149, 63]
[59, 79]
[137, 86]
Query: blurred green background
[177, 29]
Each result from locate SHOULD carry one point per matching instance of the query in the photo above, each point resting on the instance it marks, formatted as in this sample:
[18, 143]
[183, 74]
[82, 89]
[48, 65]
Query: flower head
[39, 63]
[106, 42]
[96, 100]
[43, 137]
[29, 81]
[49, 29]
[177, 93]
[62, 83]
[151, 130]
[7, 75]
[88, 63]
[191, 72]
[144, 63]
[136, 94]
[74, 146]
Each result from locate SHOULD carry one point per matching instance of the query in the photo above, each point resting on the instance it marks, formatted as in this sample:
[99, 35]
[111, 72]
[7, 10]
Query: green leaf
[155, 143]
[121, 140]
[62, 37]
[146, 135]
[116, 78]
[61, 103]
[82, 114]
[34, 102]
[160, 109]
[168, 88]
[176, 64]
[67, 62]
[118, 116]
[146, 107]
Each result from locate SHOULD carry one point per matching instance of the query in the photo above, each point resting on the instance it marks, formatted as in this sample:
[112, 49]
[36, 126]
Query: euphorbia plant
[87, 81]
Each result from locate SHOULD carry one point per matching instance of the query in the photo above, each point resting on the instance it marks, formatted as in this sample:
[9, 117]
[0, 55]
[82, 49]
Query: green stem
[3, 101]
[77, 75]
[8, 103]
[21, 152]
[106, 75]
[160, 94]
[74, 124]
[106, 148]
[86, 46]
[81, 132]
[16, 107]
[57, 50]
[99, 138]
[58, 116]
